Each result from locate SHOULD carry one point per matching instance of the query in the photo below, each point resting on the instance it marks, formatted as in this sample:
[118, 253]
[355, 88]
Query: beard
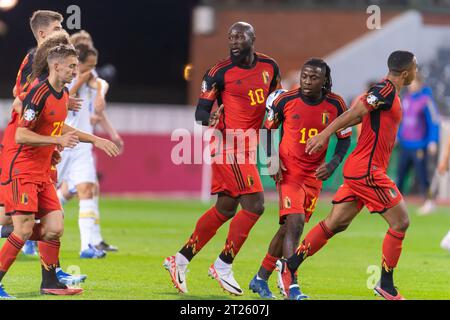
[239, 58]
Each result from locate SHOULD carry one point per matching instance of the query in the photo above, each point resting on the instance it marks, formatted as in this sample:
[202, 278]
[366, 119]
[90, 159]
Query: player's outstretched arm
[316, 143]
[31, 138]
[103, 144]
[106, 124]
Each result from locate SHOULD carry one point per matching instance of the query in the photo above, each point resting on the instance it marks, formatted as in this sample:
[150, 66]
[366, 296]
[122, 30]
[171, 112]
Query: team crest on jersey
[24, 199]
[266, 76]
[29, 115]
[325, 118]
[250, 181]
[287, 203]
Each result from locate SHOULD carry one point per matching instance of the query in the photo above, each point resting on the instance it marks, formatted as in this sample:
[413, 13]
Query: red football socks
[316, 238]
[392, 248]
[269, 262]
[9, 251]
[240, 227]
[49, 252]
[205, 229]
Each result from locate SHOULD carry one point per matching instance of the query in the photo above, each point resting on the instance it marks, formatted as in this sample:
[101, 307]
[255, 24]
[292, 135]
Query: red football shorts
[235, 176]
[377, 192]
[298, 195]
[31, 197]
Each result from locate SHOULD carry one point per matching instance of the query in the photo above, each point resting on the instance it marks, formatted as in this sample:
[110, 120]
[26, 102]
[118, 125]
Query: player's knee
[401, 225]
[24, 231]
[54, 232]
[337, 226]
[85, 191]
[227, 212]
[295, 223]
[257, 208]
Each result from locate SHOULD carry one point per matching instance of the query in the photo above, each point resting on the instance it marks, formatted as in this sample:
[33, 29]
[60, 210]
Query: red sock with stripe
[240, 227]
[205, 229]
[316, 238]
[9, 252]
[392, 248]
[49, 252]
[269, 262]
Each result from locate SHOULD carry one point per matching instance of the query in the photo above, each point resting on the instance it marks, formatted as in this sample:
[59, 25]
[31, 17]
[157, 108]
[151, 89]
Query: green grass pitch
[147, 231]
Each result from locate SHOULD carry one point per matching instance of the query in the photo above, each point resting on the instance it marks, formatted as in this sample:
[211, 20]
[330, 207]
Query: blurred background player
[365, 179]
[241, 83]
[77, 167]
[303, 113]
[418, 137]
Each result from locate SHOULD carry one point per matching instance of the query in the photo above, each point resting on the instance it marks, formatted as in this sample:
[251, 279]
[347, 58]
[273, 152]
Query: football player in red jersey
[304, 113]
[39, 72]
[241, 84]
[365, 179]
[30, 193]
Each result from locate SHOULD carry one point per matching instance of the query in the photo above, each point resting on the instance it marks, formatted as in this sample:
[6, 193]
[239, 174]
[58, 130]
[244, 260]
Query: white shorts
[77, 166]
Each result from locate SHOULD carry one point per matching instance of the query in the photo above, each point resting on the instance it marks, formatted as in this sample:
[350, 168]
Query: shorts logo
[250, 181]
[266, 76]
[287, 203]
[393, 193]
[29, 115]
[24, 199]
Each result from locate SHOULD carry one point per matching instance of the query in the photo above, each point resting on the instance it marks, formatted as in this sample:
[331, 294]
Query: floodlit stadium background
[155, 60]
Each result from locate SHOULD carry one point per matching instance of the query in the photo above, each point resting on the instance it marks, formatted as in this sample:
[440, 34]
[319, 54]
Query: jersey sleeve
[274, 114]
[33, 104]
[210, 90]
[341, 107]
[22, 75]
[276, 80]
[380, 96]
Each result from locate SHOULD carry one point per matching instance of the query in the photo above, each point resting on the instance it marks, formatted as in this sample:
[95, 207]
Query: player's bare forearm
[31, 138]
[106, 125]
[82, 136]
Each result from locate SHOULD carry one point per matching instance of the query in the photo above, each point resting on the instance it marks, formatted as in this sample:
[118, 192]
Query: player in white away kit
[77, 167]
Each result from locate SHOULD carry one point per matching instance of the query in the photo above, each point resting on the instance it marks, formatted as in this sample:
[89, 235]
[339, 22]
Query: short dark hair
[84, 51]
[400, 61]
[61, 51]
[43, 18]
[320, 63]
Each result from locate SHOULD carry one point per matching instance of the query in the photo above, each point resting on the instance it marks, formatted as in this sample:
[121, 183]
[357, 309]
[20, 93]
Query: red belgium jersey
[44, 112]
[378, 132]
[303, 119]
[242, 91]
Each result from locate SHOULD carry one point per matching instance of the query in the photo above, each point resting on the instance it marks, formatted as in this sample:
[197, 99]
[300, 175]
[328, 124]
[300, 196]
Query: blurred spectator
[418, 134]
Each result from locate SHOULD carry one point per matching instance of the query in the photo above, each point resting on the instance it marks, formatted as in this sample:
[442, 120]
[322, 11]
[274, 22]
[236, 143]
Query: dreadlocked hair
[40, 65]
[320, 63]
